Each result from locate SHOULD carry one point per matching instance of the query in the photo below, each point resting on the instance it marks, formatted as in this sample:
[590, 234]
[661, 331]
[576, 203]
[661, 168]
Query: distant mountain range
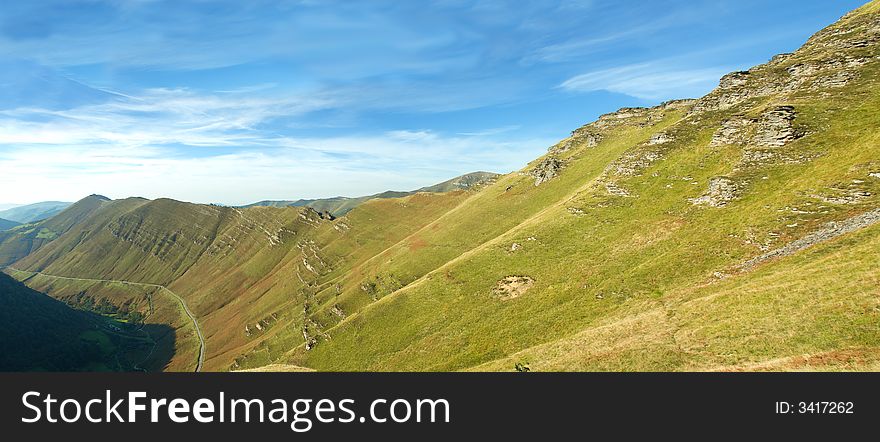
[338, 206]
[33, 212]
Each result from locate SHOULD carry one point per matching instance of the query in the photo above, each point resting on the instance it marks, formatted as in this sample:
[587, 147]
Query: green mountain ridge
[340, 205]
[737, 231]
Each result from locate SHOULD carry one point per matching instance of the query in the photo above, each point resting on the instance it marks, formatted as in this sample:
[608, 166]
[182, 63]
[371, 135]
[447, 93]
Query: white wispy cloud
[650, 81]
[220, 148]
[156, 117]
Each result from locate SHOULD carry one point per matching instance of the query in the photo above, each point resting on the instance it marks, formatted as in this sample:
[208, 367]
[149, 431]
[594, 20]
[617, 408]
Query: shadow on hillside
[163, 352]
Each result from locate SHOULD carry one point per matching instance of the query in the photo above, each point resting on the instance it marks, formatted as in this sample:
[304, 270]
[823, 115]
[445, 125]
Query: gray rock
[733, 79]
[829, 231]
[546, 170]
[633, 163]
[660, 138]
[776, 127]
[511, 287]
[839, 79]
[734, 130]
[721, 191]
[584, 136]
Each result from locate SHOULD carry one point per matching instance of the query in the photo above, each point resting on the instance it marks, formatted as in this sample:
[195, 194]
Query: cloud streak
[649, 81]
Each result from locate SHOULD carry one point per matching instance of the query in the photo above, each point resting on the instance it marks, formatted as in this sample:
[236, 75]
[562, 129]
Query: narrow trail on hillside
[192, 317]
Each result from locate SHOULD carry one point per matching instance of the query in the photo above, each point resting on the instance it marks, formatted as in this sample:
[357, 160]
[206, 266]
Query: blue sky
[238, 101]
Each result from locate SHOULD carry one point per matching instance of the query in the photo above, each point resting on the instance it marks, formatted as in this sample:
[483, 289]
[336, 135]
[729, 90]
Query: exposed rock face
[776, 127]
[677, 104]
[839, 79]
[592, 134]
[511, 287]
[660, 138]
[588, 138]
[337, 311]
[633, 163]
[721, 191]
[779, 58]
[733, 131]
[829, 231]
[633, 116]
[584, 136]
[546, 170]
[733, 79]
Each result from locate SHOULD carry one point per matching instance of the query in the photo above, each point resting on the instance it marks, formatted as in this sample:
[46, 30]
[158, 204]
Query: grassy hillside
[631, 228]
[341, 205]
[733, 232]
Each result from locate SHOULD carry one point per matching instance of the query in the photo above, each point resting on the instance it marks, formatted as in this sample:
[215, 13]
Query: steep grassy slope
[267, 287]
[341, 205]
[255, 268]
[652, 223]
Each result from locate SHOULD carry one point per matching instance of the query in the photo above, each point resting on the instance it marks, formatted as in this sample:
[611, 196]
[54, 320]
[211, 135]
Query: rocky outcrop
[733, 80]
[660, 138]
[592, 134]
[836, 80]
[829, 231]
[633, 163]
[546, 170]
[583, 137]
[511, 287]
[721, 191]
[776, 127]
[631, 116]
[734, 130]
[336, 310]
